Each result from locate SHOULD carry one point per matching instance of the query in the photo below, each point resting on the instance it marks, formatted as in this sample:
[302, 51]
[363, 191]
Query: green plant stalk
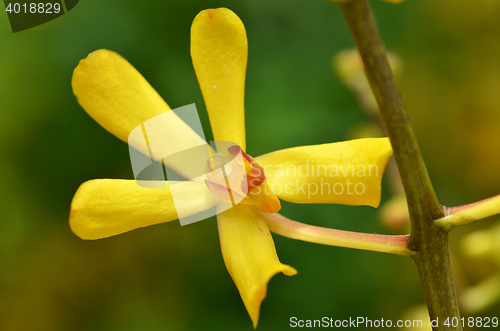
[428, 241]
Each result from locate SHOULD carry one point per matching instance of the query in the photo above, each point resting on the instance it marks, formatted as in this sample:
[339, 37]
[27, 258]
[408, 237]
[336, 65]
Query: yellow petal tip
[253, 306]
[114, 93]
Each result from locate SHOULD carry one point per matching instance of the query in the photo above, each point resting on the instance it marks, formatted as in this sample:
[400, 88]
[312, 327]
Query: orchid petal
[346, 173]
[120, 99]
[219, 51]
[249, 254]
[106, 207]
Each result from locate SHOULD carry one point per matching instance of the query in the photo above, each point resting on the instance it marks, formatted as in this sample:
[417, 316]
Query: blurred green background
[168, 277]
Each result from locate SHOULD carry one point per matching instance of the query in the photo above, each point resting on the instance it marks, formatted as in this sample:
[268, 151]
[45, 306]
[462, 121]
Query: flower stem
[368, 241]
[428, 241]
[470, 213]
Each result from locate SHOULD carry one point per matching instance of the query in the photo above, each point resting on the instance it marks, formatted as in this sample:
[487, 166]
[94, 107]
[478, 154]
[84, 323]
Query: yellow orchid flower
[115, 94]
